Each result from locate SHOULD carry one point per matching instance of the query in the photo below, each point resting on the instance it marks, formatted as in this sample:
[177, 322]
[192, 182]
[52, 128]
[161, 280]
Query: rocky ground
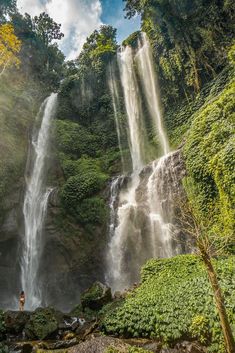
[47, 329]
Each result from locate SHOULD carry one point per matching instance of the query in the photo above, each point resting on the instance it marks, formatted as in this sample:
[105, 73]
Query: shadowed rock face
[9, 250]
[72, 259]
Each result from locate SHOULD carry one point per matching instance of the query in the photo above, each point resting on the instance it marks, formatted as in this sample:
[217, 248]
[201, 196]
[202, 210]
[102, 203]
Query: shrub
[81, 186]
[75, 140]
[92, 210]
[199, 328]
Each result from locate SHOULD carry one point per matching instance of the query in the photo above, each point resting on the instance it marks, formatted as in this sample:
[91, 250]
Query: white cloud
[79, 18]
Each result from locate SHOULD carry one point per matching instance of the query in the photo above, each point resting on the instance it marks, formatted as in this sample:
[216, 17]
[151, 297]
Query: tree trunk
[219, 300]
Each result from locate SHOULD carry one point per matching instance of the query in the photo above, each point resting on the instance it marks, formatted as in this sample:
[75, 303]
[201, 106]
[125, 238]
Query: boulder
[42, 324]
[96, 296]
[190, 347]
[15, 321]
[99, 345]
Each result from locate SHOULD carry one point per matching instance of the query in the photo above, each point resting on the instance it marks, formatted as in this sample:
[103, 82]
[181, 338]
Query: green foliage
[92, 211]
[81, 186]
[84, 179]
[199, 328]
[86, 137]
[40, 59]
[210, 165]
[179, 117]
[99, 48]
[74, 140]
[173, 292]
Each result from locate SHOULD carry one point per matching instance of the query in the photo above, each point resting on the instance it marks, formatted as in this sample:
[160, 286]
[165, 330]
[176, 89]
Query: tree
[207, 246]
[7, 7]
[10, 46]
[46, 28]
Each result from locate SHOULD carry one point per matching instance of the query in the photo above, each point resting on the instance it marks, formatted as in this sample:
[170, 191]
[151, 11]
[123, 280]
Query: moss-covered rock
[96, 296]
[42, 324]
[15, 321]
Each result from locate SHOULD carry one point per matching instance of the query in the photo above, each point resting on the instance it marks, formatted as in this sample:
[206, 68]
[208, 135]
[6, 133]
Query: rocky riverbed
[47, 329]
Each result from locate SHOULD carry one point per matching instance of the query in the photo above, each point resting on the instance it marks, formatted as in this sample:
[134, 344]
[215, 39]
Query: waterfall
[34, 208]
[162, 189]
[144, 214]
[112, 82]
[137, 133]
[149, 79]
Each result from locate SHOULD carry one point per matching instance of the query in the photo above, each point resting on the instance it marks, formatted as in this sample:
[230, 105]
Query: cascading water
[162, 189]
[34, 208]
[143, 226]
[149, 80]
[112, 82]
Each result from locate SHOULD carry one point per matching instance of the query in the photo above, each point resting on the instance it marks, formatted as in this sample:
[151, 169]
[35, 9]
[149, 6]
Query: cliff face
[20, 100]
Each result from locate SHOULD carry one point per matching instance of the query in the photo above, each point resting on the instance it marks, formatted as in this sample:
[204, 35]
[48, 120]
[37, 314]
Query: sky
[79, 18]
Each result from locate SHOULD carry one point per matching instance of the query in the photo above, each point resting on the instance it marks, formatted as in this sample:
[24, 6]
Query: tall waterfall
[149, 79]
[34, 208]
[112, 82]
[143, 226]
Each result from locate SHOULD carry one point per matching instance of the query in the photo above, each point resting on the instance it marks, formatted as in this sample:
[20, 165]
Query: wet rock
[64, 344]
[96, 296]
[15, 321]
[21, 347]
[99, 345]
[87, 328]
[190, 347]
[154, 347]
[42, 324]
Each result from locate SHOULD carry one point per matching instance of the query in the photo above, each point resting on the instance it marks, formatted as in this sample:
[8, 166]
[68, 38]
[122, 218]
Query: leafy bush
[81, 186]
[75, 140]
[199, 328]
[92, 210]
[172, 293]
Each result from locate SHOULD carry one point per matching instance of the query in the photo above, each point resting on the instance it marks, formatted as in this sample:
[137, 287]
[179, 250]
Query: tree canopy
[10, 46]
[46, 28]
